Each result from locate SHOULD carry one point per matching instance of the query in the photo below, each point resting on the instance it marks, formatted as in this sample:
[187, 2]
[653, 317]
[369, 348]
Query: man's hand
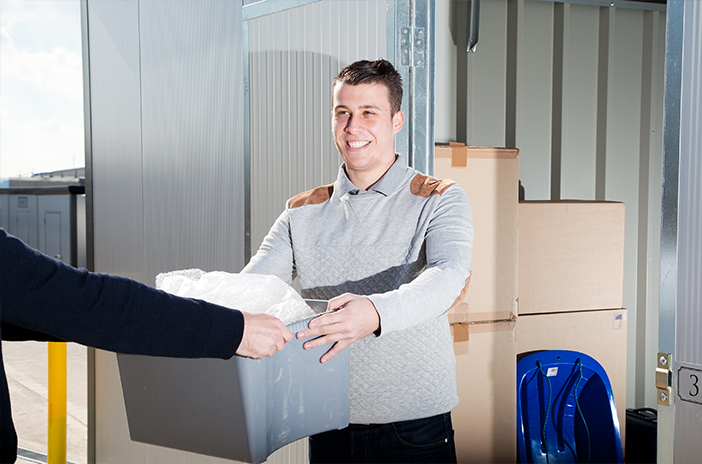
[348, 318]
[263, 336]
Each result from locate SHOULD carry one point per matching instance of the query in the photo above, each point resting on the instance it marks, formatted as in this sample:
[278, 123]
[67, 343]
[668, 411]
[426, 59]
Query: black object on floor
[641, 435]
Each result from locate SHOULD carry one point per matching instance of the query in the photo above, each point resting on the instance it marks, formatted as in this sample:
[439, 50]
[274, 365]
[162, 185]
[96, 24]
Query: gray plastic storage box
[241, 409]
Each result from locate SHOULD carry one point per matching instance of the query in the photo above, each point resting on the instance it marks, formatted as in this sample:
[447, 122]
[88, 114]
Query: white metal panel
[622, 167]
[648, 285]
[115, 125]
[293, 57]
[117, 209]
[486, 78]
[534, 97]
[688, 342]
[166, 167]
[23, 219]
[192, 158]
[5, 212]
[55, 223]
[579, 102]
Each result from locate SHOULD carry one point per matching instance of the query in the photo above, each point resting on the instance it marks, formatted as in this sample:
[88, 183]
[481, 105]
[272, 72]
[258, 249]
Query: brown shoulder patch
[425, 186]
[312, 197]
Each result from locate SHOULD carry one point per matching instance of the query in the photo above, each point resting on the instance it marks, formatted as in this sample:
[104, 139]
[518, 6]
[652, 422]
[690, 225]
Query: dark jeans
[420, 440]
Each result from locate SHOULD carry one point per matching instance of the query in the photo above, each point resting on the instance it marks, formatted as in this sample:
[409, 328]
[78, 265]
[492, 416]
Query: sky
[41, 87]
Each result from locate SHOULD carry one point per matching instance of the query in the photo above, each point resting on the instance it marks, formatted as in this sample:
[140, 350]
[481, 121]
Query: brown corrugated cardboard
[571, 256]
[485, 418]
[600, 334]
[490, 177]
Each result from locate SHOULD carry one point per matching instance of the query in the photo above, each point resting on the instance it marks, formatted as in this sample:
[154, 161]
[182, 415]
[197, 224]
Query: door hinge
[413, 46]
[664, 378]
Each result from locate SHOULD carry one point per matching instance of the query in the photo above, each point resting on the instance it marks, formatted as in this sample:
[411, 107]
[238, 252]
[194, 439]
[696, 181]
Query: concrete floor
[26, 368]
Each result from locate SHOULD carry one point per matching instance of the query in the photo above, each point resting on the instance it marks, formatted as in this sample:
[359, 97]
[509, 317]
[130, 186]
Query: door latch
[664, 378]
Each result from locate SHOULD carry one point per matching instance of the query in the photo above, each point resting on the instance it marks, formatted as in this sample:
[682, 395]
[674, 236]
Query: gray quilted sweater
[406, 244]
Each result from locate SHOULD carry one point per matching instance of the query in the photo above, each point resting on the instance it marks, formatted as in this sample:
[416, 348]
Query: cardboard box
[485, 419]
[490, 177]
[599, 334]
[571, 256]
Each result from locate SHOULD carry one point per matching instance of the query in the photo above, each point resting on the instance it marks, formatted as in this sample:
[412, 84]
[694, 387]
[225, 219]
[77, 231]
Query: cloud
[41, 86]
[58, 70]
[39, 145]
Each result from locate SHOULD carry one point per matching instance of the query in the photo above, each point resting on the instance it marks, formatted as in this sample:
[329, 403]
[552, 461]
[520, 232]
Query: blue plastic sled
[565, 410]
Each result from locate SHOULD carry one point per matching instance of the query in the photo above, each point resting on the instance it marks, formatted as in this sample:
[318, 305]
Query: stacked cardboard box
[545, 275]
[484, 322]
[571, 267]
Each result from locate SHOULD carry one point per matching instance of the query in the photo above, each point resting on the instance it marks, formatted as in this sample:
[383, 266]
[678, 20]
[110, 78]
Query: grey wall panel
[56, 218]
[23, 219]
[579, 102]
[166, 140]
[115, 123]
[5, 212]
[293, 57]
[485, 77]
[650, 188]
[534, 101]
[116, 131]
[688, 346]
[192, 135]
[622, 164]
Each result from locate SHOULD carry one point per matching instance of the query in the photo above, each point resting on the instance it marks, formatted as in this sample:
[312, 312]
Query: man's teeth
[359, 144]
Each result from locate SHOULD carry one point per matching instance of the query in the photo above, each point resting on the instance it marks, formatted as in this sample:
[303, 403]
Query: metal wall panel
[534, 106]
[293, 57]
[192, 135]
[485, 75]
[577, 87]
[165, 173]
[115, 124]
[23, 219]
[57, 216]
[688, 347]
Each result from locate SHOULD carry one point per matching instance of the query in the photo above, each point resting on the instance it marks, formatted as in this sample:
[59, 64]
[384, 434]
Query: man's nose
[353, 125]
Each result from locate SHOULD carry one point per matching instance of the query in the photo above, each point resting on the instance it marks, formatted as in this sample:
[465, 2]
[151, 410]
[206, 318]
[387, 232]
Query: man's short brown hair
[374, 72]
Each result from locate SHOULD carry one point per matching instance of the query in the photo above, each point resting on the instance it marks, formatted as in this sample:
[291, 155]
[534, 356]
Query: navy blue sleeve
[109, 312]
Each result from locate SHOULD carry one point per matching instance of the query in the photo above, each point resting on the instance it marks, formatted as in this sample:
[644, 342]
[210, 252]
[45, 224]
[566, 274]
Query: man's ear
[397, 121]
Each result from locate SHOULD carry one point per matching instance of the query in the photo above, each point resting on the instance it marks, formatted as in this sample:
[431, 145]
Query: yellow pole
[57, 403]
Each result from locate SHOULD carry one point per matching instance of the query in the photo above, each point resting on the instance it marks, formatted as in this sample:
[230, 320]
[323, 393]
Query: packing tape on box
[459, 155]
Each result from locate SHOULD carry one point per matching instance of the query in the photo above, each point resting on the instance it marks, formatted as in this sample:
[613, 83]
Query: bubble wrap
[252, 293]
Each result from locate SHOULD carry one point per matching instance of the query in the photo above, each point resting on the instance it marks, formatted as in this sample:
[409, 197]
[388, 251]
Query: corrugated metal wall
[578, 89]
[293, 57]
[688, 344]
[165, 161]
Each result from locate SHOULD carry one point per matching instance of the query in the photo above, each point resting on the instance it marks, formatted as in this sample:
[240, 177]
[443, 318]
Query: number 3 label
[690, 385]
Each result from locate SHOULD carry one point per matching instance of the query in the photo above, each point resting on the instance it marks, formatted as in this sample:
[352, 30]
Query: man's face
[364, 129]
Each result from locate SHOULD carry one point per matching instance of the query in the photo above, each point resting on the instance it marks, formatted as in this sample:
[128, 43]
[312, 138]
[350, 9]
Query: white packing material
[252, 293]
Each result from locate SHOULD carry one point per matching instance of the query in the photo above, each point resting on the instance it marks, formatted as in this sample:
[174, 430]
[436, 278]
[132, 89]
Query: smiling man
[390, 248]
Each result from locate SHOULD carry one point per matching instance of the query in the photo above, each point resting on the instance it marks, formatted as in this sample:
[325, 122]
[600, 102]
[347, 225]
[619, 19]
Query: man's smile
[358, 143]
